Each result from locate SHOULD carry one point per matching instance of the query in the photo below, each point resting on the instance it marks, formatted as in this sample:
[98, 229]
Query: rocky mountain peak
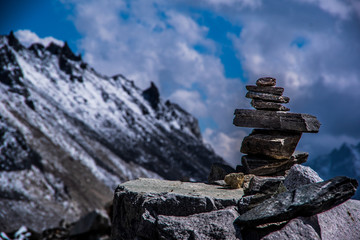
[152, 95]
[66, 51]
[90, 132]
[14, 42]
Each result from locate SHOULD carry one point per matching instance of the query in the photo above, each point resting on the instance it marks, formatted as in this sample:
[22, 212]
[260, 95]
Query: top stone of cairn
[266, 81]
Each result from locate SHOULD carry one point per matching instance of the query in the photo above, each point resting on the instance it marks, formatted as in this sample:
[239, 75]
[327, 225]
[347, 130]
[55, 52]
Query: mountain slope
[344, 161]
[89, 130]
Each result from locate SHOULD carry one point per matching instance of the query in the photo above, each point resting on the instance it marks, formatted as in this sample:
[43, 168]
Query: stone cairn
[271, 145]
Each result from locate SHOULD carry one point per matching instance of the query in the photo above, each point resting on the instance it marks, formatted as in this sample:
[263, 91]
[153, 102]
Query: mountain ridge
[88, 129]
[342, 161]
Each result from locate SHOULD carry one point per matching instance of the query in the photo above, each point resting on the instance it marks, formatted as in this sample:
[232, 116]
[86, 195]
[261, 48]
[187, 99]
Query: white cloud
[338, 8]
[310, 46]
[226, 145]
[189, 100]
[26, 37]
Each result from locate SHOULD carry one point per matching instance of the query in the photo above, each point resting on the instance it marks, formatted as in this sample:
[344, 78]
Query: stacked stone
[271, 145]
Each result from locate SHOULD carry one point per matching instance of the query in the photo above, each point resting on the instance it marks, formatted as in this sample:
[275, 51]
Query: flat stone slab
[139, 203]
[267, 97]
[271, 167]
[299, 122]
[305, 201]
[270, 106]
[186, 189]
[265, 89]
[270, 143]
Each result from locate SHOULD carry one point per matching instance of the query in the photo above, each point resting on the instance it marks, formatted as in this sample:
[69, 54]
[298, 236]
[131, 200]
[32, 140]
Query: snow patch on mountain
[71, 135]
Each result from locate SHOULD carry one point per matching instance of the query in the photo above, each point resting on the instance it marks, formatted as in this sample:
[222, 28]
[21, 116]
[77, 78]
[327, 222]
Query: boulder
[270, 143]
[299, 175]
[341, 222]
[266, 81]
[271, 167]
[139, 203]
[272, 106]
[306, 200]
[267, 97]
[219, 171]
[211, 225]
[265, 89]
[276, 120]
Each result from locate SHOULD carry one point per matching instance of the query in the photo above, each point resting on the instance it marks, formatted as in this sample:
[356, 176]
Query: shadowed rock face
[306, 200]
[263, 166]
[152, 95]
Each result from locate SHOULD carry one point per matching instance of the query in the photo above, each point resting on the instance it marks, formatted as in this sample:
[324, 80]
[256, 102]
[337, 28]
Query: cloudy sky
[201, 54]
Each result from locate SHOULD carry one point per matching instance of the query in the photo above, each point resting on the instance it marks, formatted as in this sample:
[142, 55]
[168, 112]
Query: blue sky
[201, 54]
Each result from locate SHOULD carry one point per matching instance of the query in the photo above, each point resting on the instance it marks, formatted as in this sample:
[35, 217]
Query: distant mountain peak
[342, 161]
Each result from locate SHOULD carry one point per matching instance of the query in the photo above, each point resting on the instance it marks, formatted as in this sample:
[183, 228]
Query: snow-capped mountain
[69, 135]
[344, 161]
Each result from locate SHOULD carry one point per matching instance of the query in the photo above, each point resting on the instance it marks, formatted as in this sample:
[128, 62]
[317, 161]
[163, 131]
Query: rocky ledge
[159, 209]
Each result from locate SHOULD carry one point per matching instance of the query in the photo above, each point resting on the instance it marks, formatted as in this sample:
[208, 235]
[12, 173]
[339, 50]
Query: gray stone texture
[269, 106]
[342, 222]
[138, 203]
[266, 81]
[267, 97]
[299, 175]
[266, 185]
[266, 89]
[306, 200]
[276, 120]
[211, 225]
[270, 143]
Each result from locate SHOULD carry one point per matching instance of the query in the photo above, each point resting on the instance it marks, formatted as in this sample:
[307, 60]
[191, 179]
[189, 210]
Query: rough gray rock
[276, 120]
[270, 143]
[219, 171]
[138, 203]
[299, 175]
[271, 167]
[266, 81]
[266, 89]
[272, 106]
[267, 97]
[306, 200]
[341, 222]
[266, 185]
[212, 225]
[301, 228]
